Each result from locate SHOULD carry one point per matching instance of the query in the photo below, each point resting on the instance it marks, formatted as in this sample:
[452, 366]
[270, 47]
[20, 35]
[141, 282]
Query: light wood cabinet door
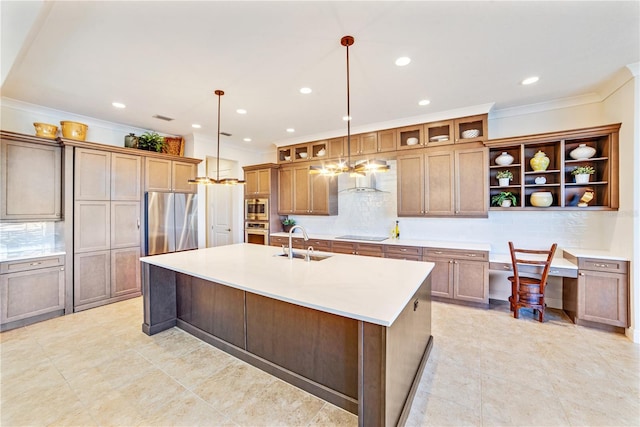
[439, 183]
[126, 179]
[472, 182]
[410, 185]
[91, 226]
[387, 140]
[319, 195]
[157, 174]
[181, 173]
[441, 277]
[125, 224]
[471, 280]
[125, 271]
[603, 297]
[251, 186]
[285, 191]
[264, 181]
[337, 147]
[301, 190]
[30, 181]
[368, 143]
[29, 293]
[91, 277]
[92, 179]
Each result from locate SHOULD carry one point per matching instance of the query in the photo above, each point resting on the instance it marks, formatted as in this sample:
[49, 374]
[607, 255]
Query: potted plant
[287, 223]
[504, 199]
[581, 174]
[151, 141]
[504, 177]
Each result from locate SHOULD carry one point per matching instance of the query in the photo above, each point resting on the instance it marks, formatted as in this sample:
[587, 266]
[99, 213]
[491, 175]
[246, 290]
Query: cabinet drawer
[279, 241]
[31, 264]
[457, 254]
[595, 264]
[369, 250]
[319, 245]
[404, 251]
[344, 247]
[410, 257]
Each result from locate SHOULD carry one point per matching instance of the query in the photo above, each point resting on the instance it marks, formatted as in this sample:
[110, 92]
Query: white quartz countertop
[556, 262]
[370, 289]
[30, 254]
[595, 253]
[399, 242]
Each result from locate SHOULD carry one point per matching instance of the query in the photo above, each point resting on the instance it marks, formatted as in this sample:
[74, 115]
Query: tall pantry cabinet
[107, 232]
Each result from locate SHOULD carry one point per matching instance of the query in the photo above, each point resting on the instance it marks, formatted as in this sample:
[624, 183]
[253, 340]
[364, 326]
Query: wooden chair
[529, 291]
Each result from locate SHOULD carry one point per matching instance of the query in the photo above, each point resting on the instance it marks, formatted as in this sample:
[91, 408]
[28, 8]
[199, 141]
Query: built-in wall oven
[256, 209]
[256, 232]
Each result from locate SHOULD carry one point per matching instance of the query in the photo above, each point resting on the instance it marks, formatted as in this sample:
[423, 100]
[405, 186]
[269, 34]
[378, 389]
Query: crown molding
[555, 104]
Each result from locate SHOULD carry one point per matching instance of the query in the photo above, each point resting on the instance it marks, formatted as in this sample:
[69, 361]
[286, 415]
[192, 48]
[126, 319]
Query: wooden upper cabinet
[181, 173]
[169, 175]
[319, 150]
[439, 182]
[386, 140]
[92, 226]
[471, 182]
[125, 224]
[471, 129]
[157, 174]
[30, 180]
[367, 143]
[285, 154]
[285, 190]
[337, 147]
[301, 199]
[126, 179]
[411, 185]
[251, 182]
[439, 133]
[301, 153]
[409, 137]
[92, 179]
[257, 182]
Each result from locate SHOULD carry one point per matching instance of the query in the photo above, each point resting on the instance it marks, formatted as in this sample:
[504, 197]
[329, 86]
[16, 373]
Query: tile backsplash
[30, 236]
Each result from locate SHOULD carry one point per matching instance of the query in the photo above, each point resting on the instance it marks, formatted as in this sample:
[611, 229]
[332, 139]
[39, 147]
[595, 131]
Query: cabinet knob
[403, 249]
[61, 268]
[138, 222]
[438, 252]
[580, 274]
[35, 263]
[471, 254]
[450, 261]
[506, 267]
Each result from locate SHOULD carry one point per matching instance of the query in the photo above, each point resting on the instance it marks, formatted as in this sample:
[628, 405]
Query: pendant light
[361, 167]
[206, 180]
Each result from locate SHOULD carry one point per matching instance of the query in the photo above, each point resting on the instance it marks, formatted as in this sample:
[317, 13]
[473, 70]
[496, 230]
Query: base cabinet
[459, 275]
[600, 294]
[34, 291]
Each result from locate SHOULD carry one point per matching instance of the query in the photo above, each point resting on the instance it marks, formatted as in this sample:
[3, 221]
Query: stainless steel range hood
[363, 184]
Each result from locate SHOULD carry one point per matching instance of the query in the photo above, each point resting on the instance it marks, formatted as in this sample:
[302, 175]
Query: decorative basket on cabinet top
[46, 130]
[74, 130]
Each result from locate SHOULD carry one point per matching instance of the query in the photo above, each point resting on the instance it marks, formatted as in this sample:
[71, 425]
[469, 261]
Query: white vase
[506, 203]
[582, 178]
[504, 159]
[540, 180]
[583, 151]
[504, 182]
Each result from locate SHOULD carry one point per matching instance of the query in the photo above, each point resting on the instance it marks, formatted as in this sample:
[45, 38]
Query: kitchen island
[355, 331]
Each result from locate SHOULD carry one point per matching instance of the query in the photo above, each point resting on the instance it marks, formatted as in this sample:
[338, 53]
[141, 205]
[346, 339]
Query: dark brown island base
[355, 331]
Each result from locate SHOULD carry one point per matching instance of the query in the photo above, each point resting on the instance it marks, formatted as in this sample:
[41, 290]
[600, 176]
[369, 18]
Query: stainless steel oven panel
[256, 209]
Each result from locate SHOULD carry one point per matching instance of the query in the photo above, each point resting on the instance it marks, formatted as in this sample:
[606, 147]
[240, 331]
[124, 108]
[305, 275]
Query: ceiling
[167, 58]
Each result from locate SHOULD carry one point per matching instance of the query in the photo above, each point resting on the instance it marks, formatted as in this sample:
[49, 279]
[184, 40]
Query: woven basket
[173, 146]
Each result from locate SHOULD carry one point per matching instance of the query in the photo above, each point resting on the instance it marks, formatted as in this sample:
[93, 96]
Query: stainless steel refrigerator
[172, 222]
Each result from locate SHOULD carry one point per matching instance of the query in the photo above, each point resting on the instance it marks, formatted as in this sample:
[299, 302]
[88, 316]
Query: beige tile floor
[97, 368]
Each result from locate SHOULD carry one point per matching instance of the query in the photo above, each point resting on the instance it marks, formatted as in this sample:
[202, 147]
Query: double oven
[256, 216]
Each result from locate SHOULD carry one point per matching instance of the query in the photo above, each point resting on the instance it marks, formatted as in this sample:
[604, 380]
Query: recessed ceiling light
[346, 118]
[241, 111]
[402, 61]
[424, 102]
[118, 105]
[530, 80]
[291, 130]
[196, 126]
[305, 90]
[247, 140]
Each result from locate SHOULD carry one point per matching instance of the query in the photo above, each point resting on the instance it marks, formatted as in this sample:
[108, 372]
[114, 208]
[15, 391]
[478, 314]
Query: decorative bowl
[439, 138]
[74, 130]
[321, 152]
[582, 152]
[302, 155]
[412, 141]
[45, 130]
[471, 133]
[287, 158]
[541, 199]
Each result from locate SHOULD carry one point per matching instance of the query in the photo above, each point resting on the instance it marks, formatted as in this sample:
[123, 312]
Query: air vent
[165, 118]
[225, 134]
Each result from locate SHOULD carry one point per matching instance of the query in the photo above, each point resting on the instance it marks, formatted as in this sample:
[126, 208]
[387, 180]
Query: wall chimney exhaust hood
[363, 184]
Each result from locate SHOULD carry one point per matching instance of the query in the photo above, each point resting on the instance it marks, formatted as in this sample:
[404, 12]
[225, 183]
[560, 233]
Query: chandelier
[205, 179]
[361, 167]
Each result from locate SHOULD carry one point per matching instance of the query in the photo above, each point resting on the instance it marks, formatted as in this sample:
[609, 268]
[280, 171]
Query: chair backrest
[544, 259]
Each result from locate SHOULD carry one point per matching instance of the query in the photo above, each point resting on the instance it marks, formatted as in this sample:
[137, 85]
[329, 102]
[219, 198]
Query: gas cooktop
[365, 238]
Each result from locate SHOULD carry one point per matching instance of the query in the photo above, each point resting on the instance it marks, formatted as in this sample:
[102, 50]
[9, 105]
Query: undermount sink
[302, 255]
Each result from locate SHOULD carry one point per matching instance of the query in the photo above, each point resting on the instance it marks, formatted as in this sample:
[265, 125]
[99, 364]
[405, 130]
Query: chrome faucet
[304, 232]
